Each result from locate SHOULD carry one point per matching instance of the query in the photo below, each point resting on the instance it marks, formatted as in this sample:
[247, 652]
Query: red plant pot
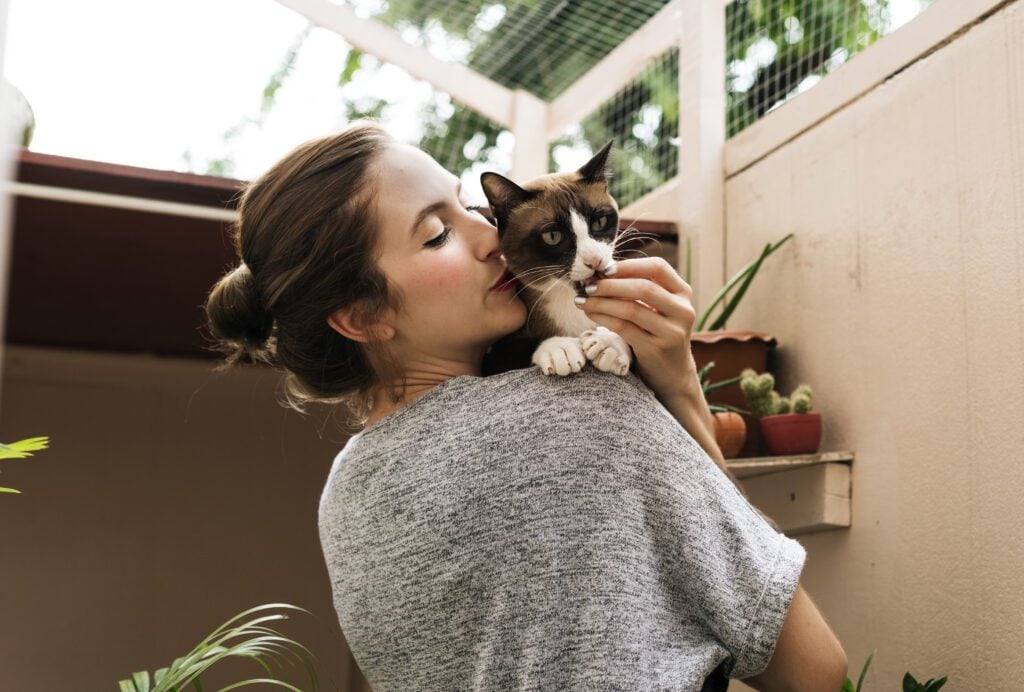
[791, 433]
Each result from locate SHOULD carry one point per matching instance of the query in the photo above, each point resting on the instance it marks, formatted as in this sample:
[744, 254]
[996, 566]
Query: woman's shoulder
[467, 400]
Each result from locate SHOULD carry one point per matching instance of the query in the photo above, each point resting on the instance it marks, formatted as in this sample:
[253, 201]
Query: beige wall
[170, 500]
[900, 300]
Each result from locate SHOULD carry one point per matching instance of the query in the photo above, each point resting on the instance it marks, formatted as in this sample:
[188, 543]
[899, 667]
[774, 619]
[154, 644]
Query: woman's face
[445, 259]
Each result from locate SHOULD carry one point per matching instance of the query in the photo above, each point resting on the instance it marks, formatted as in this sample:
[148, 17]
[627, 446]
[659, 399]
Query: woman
[517, 530]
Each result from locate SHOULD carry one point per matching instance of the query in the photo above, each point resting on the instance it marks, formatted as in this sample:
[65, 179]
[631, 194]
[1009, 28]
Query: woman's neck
[418, 383]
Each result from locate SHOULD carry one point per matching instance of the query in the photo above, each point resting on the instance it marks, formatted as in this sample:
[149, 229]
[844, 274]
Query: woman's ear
[348, 322]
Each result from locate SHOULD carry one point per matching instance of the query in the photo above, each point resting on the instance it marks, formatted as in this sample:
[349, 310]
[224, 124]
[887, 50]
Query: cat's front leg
[606, 350]
[561, 355]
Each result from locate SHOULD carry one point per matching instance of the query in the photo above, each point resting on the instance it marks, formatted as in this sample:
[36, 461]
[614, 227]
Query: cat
[558, 234]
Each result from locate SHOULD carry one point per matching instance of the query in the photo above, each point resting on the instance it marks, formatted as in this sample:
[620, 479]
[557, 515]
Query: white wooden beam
[702, 139]
[607, 77]
[463, 84]
[660, 204]
[7, 172]
[530, 154]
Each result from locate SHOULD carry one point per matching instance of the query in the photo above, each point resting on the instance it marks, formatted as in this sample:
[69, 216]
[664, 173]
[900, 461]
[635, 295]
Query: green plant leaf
[864, 670]
[742, 274]
[733, 409]
[10, 490]
[933, 685]
[255, 681]
[216, 646]
[847, 686]
[910, 684]
[23, 448]
[722, 383]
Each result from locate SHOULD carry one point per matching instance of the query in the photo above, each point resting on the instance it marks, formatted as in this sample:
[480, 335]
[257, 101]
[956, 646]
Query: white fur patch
[559, 355]
[590, 253]
[559, 306]
[606, 350]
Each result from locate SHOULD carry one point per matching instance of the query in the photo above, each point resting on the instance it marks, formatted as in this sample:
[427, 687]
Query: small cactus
[765, 401]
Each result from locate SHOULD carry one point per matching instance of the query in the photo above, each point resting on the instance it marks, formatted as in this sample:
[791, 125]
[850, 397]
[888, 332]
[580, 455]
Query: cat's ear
[502, 193]
[595, 170]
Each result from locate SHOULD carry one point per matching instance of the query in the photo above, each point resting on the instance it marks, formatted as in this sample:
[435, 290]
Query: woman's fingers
[656, 269]
[671, 305]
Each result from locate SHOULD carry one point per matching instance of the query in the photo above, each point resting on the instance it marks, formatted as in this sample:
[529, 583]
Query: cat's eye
[599, 224]
[551, 237]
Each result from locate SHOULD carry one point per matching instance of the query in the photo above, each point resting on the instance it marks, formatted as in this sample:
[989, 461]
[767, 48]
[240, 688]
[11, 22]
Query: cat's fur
[575, 209]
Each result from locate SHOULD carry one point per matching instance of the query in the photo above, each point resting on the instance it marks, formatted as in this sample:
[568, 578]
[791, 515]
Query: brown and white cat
[558, 233]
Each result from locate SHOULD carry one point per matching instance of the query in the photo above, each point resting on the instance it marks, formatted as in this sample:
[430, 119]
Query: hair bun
[236, 311]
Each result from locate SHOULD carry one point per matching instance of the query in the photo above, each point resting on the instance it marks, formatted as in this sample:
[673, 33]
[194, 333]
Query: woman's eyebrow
[431, 208]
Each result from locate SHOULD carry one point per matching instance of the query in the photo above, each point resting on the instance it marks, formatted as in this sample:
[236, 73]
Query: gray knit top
[525, 531]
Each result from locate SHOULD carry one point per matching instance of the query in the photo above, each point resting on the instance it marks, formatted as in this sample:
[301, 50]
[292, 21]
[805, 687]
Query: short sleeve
[723, 564]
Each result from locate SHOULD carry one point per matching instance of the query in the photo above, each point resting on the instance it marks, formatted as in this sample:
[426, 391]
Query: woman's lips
[506, 282]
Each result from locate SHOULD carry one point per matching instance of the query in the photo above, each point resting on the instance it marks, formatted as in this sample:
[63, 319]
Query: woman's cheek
[447, 276]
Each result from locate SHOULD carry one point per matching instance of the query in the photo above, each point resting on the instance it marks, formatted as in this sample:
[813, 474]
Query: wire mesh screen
[541, 46]
[643, 120]
[776, 49]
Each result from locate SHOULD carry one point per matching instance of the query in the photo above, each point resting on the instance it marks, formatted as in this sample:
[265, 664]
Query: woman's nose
[490, 247]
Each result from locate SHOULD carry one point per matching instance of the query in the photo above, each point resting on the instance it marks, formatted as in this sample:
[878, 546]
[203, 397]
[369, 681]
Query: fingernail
[611, 270]
[580, 300]
[591, 289]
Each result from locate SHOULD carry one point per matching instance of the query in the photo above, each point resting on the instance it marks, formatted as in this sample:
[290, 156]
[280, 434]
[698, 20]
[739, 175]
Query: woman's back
[525, 531]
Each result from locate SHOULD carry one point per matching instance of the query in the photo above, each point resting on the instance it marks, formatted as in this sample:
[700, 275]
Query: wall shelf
[802, 493]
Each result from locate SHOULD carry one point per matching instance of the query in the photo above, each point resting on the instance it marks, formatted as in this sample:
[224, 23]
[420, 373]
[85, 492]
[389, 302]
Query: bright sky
[139, 83]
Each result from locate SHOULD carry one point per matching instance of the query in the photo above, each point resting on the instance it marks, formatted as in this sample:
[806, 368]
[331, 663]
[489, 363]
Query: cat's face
[558, 227]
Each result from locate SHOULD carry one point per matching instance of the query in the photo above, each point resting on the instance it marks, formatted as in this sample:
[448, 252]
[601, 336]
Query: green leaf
[10, 490]
[847, 686]
[751, 269]
[22, 448]
[933, 685]
[141, 679]
[727, 407]
[910, 684]
[864, 670]
[722, 383]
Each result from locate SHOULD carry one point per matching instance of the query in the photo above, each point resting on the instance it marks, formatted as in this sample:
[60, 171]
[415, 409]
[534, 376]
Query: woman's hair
[308, 240]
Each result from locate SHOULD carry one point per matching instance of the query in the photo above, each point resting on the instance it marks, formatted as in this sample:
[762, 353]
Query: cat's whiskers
[537, 279]
[538, 269]
[541, 297]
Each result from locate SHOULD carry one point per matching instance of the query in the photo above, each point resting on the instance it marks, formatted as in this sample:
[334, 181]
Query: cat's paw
[606, 350]
[559, 355]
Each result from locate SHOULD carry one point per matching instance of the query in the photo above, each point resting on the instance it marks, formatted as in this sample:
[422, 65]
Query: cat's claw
[606, 350]
[559, 355]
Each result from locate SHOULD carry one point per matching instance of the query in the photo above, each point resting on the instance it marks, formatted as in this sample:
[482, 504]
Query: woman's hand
[647, 303]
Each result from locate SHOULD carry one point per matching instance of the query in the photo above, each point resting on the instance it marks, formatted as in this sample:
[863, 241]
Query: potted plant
[733, 350]
[788, 425]
[729, 427]
[256, 641]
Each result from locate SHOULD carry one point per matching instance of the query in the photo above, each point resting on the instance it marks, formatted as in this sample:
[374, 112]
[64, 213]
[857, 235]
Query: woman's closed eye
[442, 237]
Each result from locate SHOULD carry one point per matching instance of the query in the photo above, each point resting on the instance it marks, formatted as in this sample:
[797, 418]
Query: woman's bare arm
[694, 414]
[808, 657]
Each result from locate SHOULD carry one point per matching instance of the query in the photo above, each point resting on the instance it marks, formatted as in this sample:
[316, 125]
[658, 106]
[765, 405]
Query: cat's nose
[594, 264]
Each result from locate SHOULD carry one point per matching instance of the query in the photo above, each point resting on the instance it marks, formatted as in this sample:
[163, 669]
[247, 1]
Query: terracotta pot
[730, 432]
[734, 350]
[792, 433]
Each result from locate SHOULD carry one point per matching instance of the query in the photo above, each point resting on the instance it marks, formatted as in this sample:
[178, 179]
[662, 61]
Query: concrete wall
[170, 500]
[900, 300]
